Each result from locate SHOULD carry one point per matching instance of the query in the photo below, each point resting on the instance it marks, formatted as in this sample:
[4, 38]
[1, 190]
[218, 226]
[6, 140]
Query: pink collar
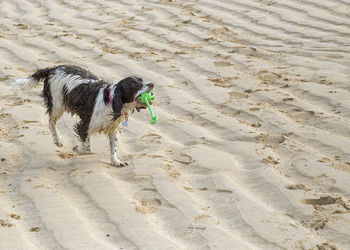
[109, 96]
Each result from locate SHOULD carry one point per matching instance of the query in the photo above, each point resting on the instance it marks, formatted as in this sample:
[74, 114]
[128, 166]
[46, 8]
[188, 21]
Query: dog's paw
[119, 164]
[58, 144]
[57, 140]
[82, 151]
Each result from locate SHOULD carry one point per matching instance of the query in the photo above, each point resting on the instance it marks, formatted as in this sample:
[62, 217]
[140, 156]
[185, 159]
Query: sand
[251, 150]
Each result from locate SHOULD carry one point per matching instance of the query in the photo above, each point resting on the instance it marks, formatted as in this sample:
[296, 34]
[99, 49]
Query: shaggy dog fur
[101, 106]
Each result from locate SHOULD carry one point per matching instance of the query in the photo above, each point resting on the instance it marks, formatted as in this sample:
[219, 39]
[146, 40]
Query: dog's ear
[117, 103]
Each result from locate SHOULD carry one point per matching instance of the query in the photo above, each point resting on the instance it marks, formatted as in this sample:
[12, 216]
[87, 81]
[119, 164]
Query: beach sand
[252, 146]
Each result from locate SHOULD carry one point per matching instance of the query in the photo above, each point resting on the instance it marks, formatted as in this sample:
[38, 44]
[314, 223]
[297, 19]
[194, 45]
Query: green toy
[147, 98]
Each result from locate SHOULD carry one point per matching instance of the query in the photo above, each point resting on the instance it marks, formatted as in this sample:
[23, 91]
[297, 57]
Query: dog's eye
[137, 83]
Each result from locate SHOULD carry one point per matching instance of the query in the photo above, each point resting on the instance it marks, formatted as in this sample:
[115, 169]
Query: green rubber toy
[147, 98]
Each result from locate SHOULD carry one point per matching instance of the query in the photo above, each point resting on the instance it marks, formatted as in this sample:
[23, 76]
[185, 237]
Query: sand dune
[251, 150]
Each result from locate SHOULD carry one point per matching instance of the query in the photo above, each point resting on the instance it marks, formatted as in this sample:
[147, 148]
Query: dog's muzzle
[149, 87]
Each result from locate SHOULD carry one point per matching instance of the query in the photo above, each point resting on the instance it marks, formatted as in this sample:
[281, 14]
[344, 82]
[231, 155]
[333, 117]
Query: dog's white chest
[102, 117]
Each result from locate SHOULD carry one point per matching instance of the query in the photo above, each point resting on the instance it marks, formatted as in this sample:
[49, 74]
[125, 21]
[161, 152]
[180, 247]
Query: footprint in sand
[270, 160]
[172, 172]
[27, 122]
[151, 138]
[248, 51]
[18, 101]
[331, 207]
[15, 216]
[267, 76]
[316, 223]
[234, 95]
[297, 187]
[4, 223]
[223, 82]
[328, 200]
[271, 140]
[189, 117]
[184, 159]
[65, 155]
[148, 206]
[34, 229]
[222, 64]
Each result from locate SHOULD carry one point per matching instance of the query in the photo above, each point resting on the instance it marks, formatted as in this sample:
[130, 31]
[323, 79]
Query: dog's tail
[34, 79]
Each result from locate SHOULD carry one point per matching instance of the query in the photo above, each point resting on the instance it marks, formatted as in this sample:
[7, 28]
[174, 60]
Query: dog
[100, 105]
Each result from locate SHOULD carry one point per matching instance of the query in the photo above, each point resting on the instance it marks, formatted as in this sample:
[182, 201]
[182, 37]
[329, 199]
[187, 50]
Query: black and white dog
[101, 106]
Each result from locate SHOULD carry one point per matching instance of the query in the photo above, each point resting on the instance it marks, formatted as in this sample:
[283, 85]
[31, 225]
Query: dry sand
[251, 150]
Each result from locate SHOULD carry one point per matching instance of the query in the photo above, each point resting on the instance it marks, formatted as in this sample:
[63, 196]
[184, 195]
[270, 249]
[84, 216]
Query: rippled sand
[251, 150]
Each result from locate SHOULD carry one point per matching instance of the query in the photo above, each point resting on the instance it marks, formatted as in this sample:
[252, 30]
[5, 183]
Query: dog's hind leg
[85, 146]
[82, 132]
[113, 142]
[54, 116]
[54, 108]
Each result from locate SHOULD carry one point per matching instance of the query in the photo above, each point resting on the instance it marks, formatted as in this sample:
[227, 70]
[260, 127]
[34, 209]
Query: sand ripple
[251, 150]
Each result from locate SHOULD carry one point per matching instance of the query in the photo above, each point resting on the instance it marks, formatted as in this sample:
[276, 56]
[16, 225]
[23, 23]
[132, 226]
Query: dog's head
[126, 94]
[131, 88]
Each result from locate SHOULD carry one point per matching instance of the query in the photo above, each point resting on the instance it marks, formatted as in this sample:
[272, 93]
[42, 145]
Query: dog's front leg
[113, 142]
